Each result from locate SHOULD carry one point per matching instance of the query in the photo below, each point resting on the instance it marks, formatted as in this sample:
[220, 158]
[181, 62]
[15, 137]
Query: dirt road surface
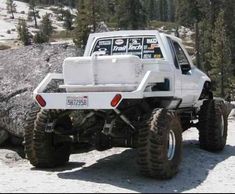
[116, 171]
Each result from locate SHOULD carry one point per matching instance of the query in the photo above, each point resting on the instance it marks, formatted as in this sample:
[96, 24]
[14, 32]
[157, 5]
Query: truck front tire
[46, 150]
[160, 145]
[213, 125]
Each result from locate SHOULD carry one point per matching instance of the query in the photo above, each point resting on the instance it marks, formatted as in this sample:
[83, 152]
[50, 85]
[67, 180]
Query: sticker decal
[158, 56]
[119, 42]
[105, 43]
[119, 49]
[147, 56]
[151, 41]
[119, 46]
[153, 46]
[135, 48]
[146, 47]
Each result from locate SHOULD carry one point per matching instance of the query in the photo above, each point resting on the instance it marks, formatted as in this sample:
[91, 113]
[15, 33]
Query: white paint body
[100, 78]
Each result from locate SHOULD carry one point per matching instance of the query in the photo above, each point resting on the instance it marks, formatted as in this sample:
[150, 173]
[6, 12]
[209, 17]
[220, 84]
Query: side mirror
[185, 68]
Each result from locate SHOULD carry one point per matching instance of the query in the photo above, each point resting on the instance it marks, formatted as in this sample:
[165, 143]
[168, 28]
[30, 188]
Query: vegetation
[68, 20]
[23, 32]
[45, 32]
[221, 70]
[33, 12]
[211, 20]
[82, 22]
[40, 38]
[11, 7]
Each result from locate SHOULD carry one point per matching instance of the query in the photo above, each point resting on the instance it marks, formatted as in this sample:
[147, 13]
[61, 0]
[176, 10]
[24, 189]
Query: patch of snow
[10, 25]
[4, 27]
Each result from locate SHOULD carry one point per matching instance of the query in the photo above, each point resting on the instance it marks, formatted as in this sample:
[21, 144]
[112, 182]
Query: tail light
[116, 100]
[41, 101]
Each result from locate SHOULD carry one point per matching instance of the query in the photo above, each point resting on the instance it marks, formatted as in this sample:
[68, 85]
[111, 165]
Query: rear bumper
[96, 100]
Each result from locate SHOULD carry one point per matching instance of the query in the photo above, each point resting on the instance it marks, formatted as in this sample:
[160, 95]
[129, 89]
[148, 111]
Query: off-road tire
[213, 125]
[46, 150]
[153, 156]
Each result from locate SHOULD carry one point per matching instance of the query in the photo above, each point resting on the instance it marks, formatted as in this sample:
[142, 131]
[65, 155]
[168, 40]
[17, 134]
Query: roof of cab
[125, 33]
[131, 33]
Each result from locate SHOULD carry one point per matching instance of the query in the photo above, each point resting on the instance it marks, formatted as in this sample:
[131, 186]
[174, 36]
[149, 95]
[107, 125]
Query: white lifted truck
[136, 89]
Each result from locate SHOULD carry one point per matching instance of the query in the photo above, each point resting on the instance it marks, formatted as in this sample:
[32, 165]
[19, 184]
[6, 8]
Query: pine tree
[82, 23]
[151, 9]
[163, 10]
[61, 11]
[93, 12]
[131, 14]
[190, 14]
[23, 32]
[40, 38]
[11, 7]
[68, 20]
[205, 41]
[46, 26]
[33, 12]
[221, 57]
[229, 7]
[171, 10]
[137, 15]
[121, 15]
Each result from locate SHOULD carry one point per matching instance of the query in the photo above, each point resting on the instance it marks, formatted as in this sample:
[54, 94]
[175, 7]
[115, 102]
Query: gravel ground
[116, 171]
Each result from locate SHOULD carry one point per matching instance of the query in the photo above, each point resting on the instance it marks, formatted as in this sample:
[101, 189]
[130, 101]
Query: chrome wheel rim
[222, 126]
[171, 145]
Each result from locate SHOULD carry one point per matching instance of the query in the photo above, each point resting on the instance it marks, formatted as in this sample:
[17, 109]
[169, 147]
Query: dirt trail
[116, 171]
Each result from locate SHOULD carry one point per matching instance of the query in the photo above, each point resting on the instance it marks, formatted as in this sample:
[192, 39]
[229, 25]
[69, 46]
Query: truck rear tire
[160, 145]
[46, 150]
[213, 125]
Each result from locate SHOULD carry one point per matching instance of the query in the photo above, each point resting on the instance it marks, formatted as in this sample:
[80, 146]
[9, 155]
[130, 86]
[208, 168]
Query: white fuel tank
[102, 70]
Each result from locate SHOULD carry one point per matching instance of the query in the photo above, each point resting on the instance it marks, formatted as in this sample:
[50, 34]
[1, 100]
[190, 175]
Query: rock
[3, 136]
[13, 157]
[21, 70]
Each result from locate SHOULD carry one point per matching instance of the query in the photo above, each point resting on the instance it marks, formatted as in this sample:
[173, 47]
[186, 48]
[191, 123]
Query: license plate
[77, 101]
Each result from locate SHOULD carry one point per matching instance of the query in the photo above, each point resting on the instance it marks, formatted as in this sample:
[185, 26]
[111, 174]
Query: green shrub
[40, 38]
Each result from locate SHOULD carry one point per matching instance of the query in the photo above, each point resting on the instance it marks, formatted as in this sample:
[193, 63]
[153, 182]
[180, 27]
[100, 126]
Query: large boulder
[21, 70]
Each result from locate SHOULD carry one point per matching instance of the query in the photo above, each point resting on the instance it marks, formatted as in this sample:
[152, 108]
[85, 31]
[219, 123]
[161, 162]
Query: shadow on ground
[120, 170]
[15, 149]
[69, 166]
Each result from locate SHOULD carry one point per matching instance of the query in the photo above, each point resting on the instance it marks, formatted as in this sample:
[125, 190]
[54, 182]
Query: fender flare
[207, 91]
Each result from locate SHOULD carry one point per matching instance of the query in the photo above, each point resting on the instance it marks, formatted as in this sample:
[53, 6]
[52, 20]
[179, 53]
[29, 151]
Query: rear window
[143, 47]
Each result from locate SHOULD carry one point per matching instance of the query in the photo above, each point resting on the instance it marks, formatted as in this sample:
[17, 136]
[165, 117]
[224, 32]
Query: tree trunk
[161, 10]
[197, 45]
[12, 13]
[222, 71]
[93, 15]
[35, 19]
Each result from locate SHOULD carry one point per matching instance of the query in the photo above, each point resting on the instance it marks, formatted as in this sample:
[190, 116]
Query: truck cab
[158, 52]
